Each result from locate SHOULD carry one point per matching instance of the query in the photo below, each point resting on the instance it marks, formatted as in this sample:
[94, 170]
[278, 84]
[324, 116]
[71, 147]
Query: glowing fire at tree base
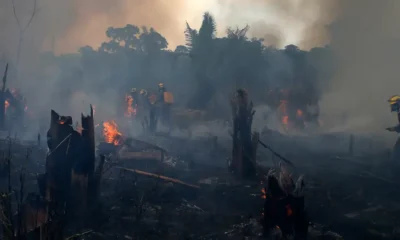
[111, 133]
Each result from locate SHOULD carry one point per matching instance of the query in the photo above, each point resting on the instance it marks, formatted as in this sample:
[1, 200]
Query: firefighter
[148, 109]
[164, 105]
[135, 96]
[161, 91]
[143, 98]
[394, 102]
[143, 92]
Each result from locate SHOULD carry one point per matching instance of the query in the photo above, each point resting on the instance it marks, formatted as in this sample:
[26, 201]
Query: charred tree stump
[64, 155]
[2, 100]
[89, 158]
[243, 149]
[68, 181]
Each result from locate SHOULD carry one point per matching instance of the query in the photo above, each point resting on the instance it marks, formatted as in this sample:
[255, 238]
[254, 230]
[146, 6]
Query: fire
[283, 109]
[6, 105]
[285, 120]
[263, 193]
[111, 133]
[289, 122]
[130, 110]
[299, 113]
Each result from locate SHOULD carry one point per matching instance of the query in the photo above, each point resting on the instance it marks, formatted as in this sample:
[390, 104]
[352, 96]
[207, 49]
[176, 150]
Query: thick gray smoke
[62, 27]
[365, 40]
[363, 36]
[282, 22]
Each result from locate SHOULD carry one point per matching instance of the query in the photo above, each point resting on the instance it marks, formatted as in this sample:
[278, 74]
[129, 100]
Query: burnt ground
[346, 197]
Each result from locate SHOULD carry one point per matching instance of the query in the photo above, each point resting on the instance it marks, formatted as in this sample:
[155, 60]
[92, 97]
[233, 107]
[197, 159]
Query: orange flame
[111, 133]
[283, 110]
[6, 105]
[299, 113]
[130, 110]
[264, 193]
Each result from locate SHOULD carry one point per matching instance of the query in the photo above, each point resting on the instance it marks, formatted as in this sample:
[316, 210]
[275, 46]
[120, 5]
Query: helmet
[143, 92]
[133, 90]
[395, 103]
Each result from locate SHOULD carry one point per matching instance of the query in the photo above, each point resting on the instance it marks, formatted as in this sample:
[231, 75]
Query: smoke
[363, 35]
[365, 40]
[71, 24]
[63, 27]
[281, 22]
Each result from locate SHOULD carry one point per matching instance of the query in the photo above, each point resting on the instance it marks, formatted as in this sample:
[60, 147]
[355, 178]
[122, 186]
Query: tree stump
[2, 100]
[244, 143]
[70, 166]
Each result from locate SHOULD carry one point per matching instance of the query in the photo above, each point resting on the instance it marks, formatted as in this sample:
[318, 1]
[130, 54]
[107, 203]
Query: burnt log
[244, 148]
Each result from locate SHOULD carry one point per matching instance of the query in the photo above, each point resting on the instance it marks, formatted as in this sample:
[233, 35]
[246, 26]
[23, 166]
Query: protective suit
[394, 102]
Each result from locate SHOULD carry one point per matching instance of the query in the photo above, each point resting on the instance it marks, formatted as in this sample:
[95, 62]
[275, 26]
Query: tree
[121, 38]
[151, 41]
[200, 45]
[132, 37]
[181, 49]
[22, 28]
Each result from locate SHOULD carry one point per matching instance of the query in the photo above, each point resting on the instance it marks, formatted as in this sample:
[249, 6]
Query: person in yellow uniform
[135, 96]
[394, 102]
[164, 101]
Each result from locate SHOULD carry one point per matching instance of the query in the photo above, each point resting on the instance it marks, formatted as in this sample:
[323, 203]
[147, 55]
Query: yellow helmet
[133, 90]
[394, 99]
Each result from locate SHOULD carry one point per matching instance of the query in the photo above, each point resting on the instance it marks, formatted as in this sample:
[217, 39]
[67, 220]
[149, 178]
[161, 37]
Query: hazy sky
[68, 25]
[267, 18]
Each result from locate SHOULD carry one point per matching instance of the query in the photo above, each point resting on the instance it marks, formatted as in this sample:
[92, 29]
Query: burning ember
[6, 105]
[290, 121]
[111, 133]
[263, 193]
[284, 114]
[299, 113]
[130, 110]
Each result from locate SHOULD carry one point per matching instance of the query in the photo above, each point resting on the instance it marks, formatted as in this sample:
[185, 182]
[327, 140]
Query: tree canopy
[206, 68]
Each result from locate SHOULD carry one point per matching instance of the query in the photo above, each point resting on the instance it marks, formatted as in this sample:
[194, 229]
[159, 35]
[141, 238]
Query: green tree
[200, 45]
[151, 41]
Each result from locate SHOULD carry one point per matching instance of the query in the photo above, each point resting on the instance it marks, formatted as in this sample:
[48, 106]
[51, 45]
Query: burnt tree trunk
[244, 148]
[88, 159]
[2, 100]
[61, 140]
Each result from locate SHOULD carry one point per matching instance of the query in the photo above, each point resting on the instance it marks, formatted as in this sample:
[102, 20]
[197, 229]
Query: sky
[66, 25]
[268, 21]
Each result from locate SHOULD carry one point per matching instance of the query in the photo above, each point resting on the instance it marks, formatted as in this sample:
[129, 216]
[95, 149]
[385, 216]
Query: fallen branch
[159, 176]
[78, 235]
[136, 142]
[141, 155]
[275, 153]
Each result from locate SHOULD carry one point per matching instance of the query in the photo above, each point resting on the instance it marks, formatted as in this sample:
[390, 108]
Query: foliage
[203, 70]
[132, 37]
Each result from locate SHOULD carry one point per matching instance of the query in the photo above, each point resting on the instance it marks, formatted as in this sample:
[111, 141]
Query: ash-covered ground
[349, 195]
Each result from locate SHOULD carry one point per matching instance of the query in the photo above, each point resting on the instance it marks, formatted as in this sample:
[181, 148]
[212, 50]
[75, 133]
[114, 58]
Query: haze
[363, 38]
